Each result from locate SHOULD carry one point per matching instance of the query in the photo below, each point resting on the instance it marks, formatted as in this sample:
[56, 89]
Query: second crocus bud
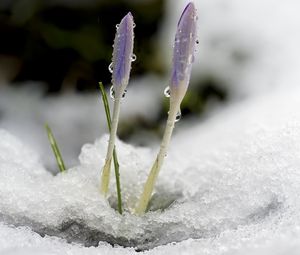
[183, 54]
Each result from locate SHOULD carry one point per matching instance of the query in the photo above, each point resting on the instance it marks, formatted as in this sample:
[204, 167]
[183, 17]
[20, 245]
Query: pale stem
[149, 185]
[115, 158]
[111, 144]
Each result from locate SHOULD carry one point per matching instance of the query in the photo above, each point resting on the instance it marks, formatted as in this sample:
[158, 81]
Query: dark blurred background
[69, 43]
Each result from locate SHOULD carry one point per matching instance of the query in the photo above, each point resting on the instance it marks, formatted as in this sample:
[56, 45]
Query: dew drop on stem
[124, 93]
[167, 92]
[178, 116]
[112, 92]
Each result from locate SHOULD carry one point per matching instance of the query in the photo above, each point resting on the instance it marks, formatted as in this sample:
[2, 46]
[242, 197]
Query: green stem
[55, 149]
[115, 158]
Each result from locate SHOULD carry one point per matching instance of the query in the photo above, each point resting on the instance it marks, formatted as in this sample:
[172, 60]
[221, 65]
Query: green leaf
[54, 146]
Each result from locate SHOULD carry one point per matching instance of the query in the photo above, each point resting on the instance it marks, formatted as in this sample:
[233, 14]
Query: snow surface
[232, 181]
[237, 183]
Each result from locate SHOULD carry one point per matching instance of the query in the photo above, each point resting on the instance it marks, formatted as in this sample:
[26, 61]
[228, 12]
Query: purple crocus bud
[183, 54]
[122, 55]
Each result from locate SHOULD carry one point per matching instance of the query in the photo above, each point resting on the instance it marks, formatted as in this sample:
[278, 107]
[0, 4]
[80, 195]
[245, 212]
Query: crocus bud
[122, 55]
[183, 54]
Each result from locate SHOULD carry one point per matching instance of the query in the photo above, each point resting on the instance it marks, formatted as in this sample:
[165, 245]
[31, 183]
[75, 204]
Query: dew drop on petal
[133, 25]
[167, 92]
[197, 41]
[110, 67]
[117, 26]
[112, 92]
[133, 57]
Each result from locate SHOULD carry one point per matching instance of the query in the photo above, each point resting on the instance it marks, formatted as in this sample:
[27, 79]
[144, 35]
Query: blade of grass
[115, 158]
[54, 146]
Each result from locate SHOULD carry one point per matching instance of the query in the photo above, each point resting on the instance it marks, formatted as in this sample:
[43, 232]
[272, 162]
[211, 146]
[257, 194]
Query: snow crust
[237, 182]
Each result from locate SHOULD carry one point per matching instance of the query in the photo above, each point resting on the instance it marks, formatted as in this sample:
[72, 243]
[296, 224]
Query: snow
[230, 183]
[237, 184]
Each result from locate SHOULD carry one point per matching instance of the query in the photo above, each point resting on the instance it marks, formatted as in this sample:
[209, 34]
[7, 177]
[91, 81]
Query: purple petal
[122, 53]
[184, 47]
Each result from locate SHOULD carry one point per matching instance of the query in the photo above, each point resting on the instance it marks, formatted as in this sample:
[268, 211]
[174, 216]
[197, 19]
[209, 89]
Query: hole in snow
[161, 200]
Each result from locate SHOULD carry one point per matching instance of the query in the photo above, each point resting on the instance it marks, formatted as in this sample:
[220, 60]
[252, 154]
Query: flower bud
[122, 54]
[183, 54]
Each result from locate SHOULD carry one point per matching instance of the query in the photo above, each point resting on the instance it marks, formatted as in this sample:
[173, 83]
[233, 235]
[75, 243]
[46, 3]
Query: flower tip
[128, 19]
[129, 15]
[189, 11]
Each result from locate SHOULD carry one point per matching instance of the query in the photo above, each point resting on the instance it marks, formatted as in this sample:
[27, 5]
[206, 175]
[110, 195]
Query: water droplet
[133, 57]
[133, 25]
[197, 41]
[112, 92]
[117, 26]
[167, 92]
[124, 93]
[110, 67]
[178, 116]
